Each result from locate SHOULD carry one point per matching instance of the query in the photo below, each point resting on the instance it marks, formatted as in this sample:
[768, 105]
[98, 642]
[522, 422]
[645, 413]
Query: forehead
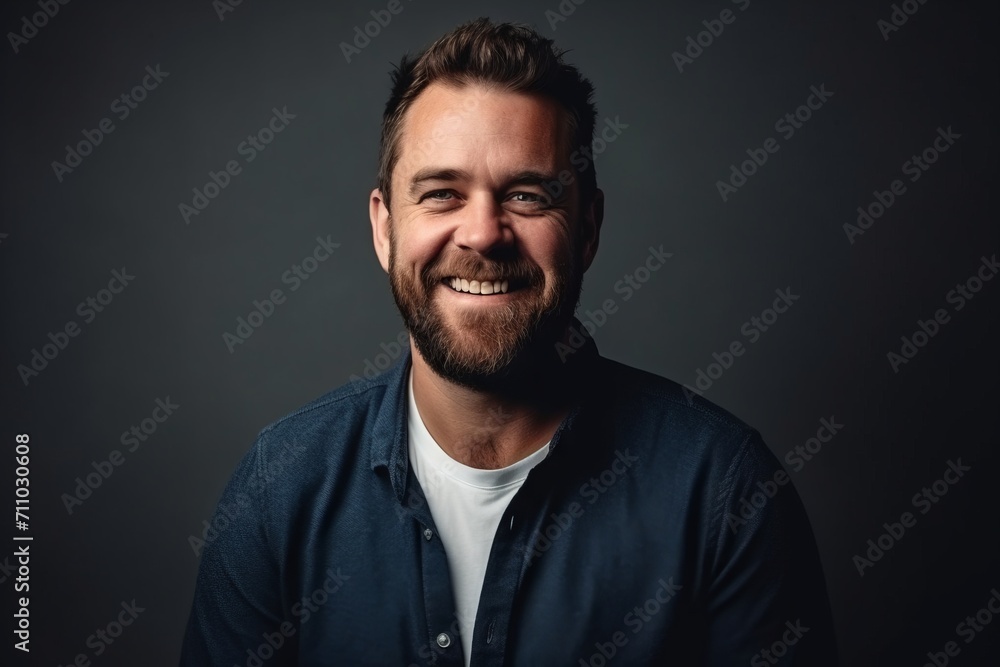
[472, 125]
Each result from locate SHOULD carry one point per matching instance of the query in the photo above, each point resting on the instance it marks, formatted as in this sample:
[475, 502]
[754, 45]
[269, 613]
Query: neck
[491, 428]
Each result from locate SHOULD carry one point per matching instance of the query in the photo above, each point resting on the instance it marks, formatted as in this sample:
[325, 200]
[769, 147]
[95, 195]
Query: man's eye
[529, 198]
[437, 195]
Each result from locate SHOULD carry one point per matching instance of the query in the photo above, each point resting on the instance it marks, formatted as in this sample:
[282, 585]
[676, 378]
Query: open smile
[483, 287]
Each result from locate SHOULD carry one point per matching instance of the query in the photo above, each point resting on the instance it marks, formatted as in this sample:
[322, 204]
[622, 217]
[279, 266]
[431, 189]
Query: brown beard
[495, 347]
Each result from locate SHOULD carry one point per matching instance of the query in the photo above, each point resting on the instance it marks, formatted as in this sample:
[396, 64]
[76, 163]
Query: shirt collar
[389, 441]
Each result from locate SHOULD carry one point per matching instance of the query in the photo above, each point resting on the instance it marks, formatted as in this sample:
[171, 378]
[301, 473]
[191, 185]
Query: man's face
[485, 266]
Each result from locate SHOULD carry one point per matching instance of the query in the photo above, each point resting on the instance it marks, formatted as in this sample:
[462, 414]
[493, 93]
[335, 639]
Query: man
[504, 495]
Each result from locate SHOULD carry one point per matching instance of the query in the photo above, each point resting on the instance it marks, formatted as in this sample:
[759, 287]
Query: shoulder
[340, 406]
[324, 435]
[682, 436]
[669, 406]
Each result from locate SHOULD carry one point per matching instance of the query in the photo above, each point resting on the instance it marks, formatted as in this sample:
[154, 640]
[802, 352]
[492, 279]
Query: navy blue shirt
[653, 533]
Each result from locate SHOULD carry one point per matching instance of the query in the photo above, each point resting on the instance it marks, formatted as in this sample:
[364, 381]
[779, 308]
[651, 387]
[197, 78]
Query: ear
[379, 214]
[593, 216]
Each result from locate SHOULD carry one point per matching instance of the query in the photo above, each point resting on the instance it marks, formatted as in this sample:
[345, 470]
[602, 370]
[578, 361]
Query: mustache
[519, 271]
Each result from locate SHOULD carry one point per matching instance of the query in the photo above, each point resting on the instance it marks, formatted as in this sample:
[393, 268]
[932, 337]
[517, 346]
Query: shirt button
[443, 640]
[428, 533]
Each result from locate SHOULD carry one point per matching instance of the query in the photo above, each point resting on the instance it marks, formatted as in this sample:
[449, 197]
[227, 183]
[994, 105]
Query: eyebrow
[526, 177]
[435, 174]
[532, 178]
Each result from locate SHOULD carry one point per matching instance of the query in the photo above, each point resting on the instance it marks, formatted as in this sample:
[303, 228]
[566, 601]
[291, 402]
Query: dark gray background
[826, 357]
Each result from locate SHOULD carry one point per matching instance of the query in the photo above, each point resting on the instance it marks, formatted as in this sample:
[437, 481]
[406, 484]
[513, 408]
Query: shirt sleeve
[237, 608]
[767, 599]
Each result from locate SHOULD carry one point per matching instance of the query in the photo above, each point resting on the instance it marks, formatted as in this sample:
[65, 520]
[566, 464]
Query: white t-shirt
[467, 504]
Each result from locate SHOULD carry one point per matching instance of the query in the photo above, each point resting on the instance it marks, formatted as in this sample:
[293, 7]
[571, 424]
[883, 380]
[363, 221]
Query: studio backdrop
[800, 227]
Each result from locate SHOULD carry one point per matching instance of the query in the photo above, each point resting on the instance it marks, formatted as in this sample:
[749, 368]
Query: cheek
[551, 252]
[418, 246]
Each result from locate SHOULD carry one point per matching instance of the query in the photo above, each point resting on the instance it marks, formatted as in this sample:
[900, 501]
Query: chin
[493, 359]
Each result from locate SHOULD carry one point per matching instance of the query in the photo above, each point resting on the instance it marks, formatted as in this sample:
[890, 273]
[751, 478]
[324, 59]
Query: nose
[482, 227]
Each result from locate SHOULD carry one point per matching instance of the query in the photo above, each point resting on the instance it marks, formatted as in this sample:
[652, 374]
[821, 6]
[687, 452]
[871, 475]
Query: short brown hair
[512, 56]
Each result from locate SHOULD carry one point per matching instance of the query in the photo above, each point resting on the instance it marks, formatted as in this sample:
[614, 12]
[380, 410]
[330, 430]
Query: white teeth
[479, 287]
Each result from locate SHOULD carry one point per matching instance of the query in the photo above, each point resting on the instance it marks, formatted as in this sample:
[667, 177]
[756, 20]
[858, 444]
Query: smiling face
[485, 266]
